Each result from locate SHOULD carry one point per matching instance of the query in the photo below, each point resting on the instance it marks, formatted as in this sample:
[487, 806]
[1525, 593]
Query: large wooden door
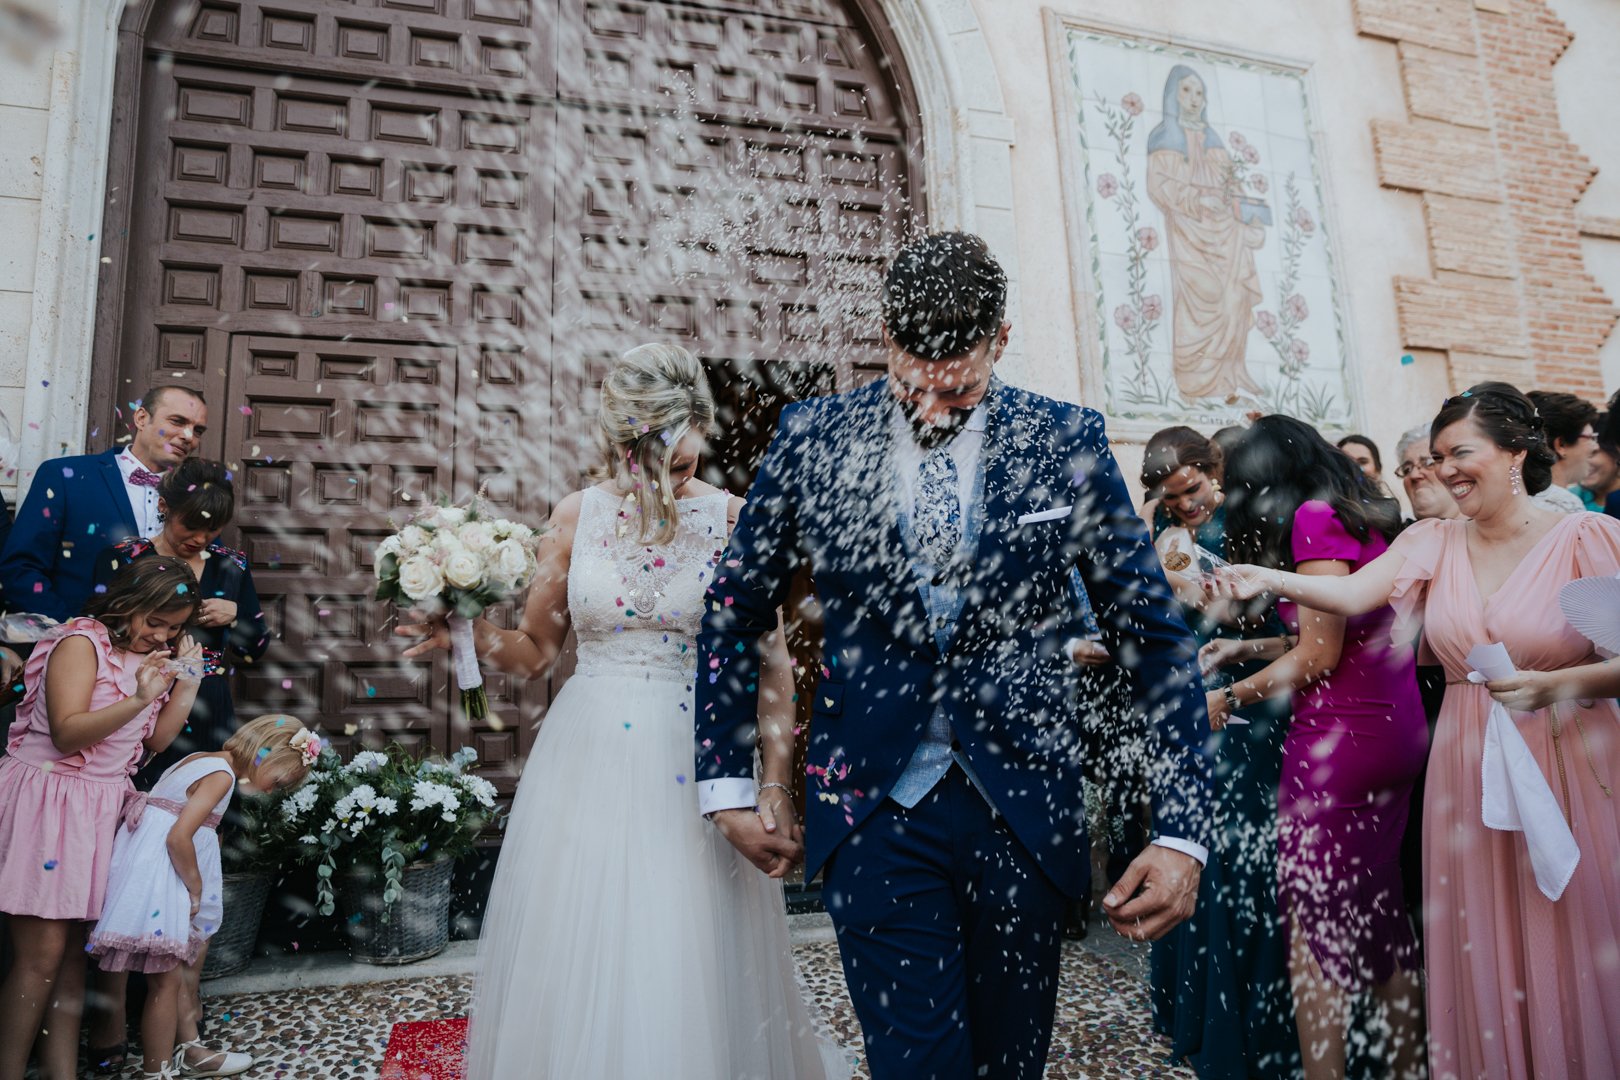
[397, 242]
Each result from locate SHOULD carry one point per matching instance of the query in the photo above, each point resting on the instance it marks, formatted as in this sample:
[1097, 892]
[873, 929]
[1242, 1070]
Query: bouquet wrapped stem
[464, 657]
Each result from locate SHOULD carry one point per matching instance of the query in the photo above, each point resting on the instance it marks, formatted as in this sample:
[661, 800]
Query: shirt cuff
[728, 793]
[1186, 847]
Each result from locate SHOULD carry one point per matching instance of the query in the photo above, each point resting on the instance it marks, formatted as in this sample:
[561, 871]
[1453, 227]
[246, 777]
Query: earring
[1515, 479]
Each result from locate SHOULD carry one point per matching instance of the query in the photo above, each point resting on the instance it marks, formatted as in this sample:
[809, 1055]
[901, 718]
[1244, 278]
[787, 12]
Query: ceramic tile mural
[1202, 239]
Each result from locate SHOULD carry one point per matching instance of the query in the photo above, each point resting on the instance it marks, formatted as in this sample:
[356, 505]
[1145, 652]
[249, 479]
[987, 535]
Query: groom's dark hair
[943, 295]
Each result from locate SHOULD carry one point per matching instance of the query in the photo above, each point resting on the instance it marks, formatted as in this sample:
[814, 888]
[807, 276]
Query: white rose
[412, 537]
[449, 516]
[511, 561]
[389, 546]
[476, 536]
[419, 578]
[464, 570]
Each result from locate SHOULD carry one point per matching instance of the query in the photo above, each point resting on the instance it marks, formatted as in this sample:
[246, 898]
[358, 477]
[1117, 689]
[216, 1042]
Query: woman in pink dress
[1520, 986]
[99, 696]
[1354, 748]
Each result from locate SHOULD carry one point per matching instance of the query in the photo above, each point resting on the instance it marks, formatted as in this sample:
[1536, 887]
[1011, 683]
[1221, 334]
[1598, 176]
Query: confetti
[50, 864]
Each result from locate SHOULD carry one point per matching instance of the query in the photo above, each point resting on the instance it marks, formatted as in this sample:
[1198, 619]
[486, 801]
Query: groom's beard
[928, 436]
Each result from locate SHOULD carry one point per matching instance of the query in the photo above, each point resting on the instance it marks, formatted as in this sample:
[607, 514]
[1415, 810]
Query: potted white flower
[384, 831]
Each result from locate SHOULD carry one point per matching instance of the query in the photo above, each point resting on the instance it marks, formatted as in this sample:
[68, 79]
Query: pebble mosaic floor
[339, 1033]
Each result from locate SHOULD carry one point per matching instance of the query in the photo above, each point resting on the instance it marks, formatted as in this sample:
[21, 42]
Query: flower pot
[419, 923]
[231, 947]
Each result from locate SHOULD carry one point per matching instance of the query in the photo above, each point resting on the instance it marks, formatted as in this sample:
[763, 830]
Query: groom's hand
[1157, 891]
[773, 853]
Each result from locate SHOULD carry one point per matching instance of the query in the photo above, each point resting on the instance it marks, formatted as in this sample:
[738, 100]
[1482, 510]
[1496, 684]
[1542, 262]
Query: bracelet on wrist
[774, 784]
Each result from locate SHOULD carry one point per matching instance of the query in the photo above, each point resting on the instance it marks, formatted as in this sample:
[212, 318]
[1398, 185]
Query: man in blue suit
[939, 513]
[79, 506]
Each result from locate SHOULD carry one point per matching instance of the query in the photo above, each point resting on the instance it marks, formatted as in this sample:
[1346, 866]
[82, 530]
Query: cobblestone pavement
[339, 1033]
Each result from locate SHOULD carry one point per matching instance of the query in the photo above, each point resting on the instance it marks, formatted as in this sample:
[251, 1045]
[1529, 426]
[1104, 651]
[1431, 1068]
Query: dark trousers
[950, 935]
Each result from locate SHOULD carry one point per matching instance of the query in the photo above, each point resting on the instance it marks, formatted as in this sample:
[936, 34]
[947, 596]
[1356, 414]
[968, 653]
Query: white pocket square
[1045, 515]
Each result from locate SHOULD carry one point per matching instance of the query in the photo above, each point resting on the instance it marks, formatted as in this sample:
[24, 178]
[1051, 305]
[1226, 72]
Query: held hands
[776, 813]
[772, 852]
[216, 612]
[1157, 892]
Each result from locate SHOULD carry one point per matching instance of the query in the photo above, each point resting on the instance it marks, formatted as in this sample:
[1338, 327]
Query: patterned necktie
[141, 478]
[938, 520]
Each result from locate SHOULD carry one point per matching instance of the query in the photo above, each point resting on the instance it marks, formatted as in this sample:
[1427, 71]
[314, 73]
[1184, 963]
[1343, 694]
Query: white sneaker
[216, 1063]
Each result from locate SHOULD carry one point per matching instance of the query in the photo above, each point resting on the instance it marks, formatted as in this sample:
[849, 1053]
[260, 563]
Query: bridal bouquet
[457, 560]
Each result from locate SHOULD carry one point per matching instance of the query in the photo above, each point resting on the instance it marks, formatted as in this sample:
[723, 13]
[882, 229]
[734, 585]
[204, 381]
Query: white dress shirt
[142, 499]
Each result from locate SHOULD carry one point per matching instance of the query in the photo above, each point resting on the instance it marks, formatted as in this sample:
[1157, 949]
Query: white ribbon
[464, 654]
[1516, 797]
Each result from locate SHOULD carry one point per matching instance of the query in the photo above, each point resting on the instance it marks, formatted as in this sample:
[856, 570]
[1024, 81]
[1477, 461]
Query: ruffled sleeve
[1419, 548]
[1597, 546]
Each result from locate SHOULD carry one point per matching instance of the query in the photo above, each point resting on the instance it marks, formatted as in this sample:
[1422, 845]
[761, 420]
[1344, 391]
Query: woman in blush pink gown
[1519, 986]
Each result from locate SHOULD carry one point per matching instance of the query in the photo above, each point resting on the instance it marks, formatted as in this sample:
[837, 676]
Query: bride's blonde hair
[651, 399]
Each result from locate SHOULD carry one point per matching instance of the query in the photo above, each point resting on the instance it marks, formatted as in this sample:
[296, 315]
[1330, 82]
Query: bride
[624, 938]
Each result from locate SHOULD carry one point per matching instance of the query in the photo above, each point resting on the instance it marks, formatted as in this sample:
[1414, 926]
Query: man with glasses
[1424, 491]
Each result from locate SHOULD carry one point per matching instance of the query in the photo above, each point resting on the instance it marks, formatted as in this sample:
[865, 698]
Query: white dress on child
[146, 924]
[625, 938]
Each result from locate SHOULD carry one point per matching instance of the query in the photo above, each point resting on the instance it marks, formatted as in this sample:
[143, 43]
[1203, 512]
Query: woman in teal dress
[1220, 980]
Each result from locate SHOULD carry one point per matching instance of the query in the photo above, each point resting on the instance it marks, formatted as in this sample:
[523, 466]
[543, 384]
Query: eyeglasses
[1407, 468]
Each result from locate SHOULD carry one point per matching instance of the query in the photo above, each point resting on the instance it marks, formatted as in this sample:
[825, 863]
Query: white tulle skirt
[624, 937]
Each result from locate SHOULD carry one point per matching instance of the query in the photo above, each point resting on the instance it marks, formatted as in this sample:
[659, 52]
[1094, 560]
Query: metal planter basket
[419, 924]
[231, 947]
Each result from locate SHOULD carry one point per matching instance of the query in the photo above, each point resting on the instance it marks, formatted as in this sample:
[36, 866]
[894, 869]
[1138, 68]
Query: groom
[939, 512]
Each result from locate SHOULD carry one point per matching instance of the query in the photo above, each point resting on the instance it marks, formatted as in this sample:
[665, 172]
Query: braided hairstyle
[653, 396]
[1510, 420]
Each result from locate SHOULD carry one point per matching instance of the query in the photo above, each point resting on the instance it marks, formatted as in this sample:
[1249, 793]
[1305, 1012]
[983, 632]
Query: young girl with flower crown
[101, 692]
[163, 896]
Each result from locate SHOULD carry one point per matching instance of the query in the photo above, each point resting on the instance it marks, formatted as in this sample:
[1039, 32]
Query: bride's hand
[777, 813]
[433, 628]
[1242, 582]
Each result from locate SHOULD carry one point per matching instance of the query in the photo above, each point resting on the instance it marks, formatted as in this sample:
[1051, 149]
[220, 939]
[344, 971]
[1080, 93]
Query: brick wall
[1508, 294]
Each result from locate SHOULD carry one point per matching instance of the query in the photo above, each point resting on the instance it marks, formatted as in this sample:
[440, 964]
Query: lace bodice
[636, 609]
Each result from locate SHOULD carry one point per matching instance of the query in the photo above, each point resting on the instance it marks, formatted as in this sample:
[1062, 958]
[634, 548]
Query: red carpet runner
[425, 1050]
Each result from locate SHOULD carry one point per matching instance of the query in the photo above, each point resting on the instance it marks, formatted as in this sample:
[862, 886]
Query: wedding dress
[625, 939]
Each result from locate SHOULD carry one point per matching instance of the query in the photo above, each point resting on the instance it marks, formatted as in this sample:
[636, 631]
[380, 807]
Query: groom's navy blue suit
[824, 499]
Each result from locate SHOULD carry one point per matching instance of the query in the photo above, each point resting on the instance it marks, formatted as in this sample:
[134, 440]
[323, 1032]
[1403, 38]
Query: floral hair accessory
[309, 743]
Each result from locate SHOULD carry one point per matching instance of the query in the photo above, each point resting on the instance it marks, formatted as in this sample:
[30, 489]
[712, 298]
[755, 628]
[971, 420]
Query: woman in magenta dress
[1356, 744]
[1522, 985]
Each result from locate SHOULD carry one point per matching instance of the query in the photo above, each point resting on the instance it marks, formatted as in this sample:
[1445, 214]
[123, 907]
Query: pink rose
[1237, 141]
[1303, 220]
[1152, 307]
[1148, 237]
[1251, 155]
[1301, 351]
[1107, 186]
[1296, 307]
[1131, 104]
[1259, 183]
[1267, 322]
[1125, 317]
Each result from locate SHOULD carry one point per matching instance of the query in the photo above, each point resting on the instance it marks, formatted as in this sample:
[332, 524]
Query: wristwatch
[1231, 698]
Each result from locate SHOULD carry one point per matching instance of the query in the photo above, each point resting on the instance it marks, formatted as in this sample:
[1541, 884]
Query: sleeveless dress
[59, 812]
[1519, 986]
[1219, 981]
[625, 938]
[146, 924]
[1354, 750]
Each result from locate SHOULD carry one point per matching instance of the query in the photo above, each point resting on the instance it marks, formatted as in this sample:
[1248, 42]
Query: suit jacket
[823, 499]
[76, 508]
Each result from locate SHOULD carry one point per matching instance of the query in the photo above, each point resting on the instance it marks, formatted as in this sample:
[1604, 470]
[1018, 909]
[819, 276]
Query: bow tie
[141, 478]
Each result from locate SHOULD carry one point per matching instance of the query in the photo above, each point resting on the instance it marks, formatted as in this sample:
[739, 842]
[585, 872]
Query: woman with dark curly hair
[1522, 968]
[1354, 748]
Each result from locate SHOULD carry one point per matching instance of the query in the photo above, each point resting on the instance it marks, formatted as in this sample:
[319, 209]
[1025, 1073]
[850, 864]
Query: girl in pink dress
[100, 693]
[1354, 747]
[1520, 985]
